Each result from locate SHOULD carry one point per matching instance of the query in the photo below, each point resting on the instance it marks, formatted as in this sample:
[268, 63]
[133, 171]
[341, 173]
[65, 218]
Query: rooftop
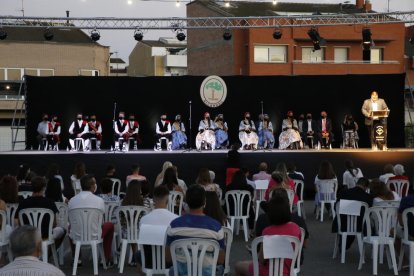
[166, 43]
[117, 60]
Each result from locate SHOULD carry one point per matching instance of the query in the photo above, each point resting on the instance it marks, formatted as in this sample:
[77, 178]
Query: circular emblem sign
[213, 91]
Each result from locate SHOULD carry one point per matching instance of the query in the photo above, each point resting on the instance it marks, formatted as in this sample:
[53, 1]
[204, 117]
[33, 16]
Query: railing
[347, 62]
[11, 97]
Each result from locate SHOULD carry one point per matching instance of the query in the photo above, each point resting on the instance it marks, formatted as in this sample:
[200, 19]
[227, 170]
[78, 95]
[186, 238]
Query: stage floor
[189, 163]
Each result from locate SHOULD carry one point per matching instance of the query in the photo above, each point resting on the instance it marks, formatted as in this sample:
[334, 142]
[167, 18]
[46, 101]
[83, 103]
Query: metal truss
[175, 23]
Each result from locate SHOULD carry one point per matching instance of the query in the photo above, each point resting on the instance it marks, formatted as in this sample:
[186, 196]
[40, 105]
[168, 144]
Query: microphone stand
[189, 148]
[264, 149]
[113, 149]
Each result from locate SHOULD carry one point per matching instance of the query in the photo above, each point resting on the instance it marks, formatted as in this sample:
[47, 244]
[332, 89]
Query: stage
[307, 161]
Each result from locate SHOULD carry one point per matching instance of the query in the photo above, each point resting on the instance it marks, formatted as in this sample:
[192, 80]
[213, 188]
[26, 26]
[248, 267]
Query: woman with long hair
[170, 180]
[160, 176]
[381, 192]
[9, 189]
[213, 208]
[204, 179]
[54, 190]
[351, 174]
[78, 172]
[326, 172]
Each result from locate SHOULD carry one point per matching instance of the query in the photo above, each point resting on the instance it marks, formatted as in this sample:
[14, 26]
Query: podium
[379, 129]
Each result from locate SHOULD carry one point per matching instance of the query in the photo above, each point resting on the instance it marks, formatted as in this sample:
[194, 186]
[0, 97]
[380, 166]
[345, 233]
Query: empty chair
[152, 237]
[228, 237]
[349, 221]
[326, 194]
[197, 252]
[261, 187]
[175, 202]
[116, 186]
[406, 240]
[240, 212]
[35, 217]
[4, 238]
[278, 248]
[385, 222]
[299, 187]
[11, 209]
[87, 235]
[128, 218]
[25, 194]
[400, 186]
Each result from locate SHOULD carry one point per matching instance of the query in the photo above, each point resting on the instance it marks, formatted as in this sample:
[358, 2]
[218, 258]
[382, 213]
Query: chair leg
[375, 258]
[336, 243]
[411, 260]
[322, 210]
[381, 254]
[246, 230]
[44, 252]
[257, 210]
[9, 254]
[54, 254]
[361, 258]
[343, 246]
[102, 253]
[95, 258]
[360, 243]
[61, 254]
[122, 257]
[299, 209]
[401, 256]
[76, 259]
[393, 259]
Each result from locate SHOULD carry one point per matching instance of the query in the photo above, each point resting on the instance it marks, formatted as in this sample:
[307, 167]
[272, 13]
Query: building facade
[163, 57]
[255, 52]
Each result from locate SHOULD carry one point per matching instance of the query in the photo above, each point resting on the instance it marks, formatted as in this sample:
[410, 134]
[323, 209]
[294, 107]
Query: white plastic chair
[87, 235]
[25, 194]
[219, 192]
[116, 186]
[4, 239]
[62, 220]
[239, 213]
[291, 197]
[302, 240]
[261, 187]
[326, 193]
[130, 216]
[407, 241]
[228, 237]
[34, 217]
[194, 251]
[400, 186]
[157, 246]
[110, 207]
[11, 209]
[78, 143]
[44, 143]
[351, 211]
[299, 187]
[173, 199]
[387, 203]
[76, 186]
[384, 219]
[282, 249]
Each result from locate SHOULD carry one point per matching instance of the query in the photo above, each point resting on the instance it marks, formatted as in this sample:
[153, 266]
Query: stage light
[227, 4]
[48, 34]
[317, 40]
[277, 34]
[274, 2]
[177, 4]
[7, 87]
[180, 36]
[227, 35]
[138, 35]
[95, 35]
[129, 2]
[3, 34]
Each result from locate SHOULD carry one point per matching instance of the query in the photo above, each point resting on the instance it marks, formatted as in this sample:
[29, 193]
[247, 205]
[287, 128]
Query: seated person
[95, 131]
[324, 130]
[163, 131]
[221, 129]
[247, 133]
[79, 129]
[120, 128]
[133, 132]
[309, 131]
[206, 138]
[179, 138]
[350, 128]
[266, 137]
[290, 136]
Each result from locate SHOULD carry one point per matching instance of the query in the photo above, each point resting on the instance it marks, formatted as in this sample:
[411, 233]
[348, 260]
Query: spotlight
[227, 35]
[138, 35]
[95, 35]
[3, 34]
[177, 4]
[7, 87]
[317, 40]
[277, 34]
[227, 4]
[48, 34]
[274, 2]
[181, 36]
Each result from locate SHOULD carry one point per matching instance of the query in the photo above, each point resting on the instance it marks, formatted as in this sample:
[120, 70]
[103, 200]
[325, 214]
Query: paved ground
[318, 255]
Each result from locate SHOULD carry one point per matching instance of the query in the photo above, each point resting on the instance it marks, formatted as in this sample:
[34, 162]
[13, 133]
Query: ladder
[19, 117]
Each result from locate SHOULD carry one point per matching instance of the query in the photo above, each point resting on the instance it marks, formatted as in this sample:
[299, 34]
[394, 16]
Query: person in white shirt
[86, 199]
[79, 129]
[121, 129]
[43, 130]
[388, 172]
[163, 130]
[351, 175]
[159, 216]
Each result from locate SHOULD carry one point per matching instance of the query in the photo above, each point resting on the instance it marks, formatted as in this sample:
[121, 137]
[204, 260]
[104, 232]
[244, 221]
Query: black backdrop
[148, 97]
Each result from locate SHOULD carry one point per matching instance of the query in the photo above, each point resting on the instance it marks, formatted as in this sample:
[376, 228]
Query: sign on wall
[213, 91]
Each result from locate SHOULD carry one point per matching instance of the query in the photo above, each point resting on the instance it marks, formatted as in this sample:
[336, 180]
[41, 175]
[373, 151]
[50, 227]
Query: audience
[53, 171]
[133, 196]
[351, 174]
[247, 174]
[196, 224]
[26, 247]
[281, 168]
[205, 181]
[292, 173]
[54, 190]
[213, 208]
[399, 172]
[280, 219]
[160, 176]
[135, 174]
[24, 174]
[233, 162]
[170, 180]
[276, 182]
[325, 172]
[146, 194]
[106, 190]
[86, 199]
[110, 171]
[78, 172]
[388, 172]
[8, 189]
[38, 200]
[380, 192]
[181, 182]
[262, 174]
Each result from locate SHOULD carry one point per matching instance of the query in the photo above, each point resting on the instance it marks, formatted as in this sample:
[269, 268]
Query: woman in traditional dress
[206, 139]
[290, 136]
[266, 137]
[222, 138]
[179, 139]
[247, 133]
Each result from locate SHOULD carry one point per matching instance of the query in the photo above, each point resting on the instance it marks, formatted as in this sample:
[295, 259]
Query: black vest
[163, 128]
[77, 129]
[122, 127]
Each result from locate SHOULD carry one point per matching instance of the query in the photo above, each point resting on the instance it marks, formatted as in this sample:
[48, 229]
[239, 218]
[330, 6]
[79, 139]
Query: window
[87, 72]
[30, 72]
[14, 74]
[376, 55]
[340, 54]
[2, 74]
[39, 72]
[270, 54]
[309, 55]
